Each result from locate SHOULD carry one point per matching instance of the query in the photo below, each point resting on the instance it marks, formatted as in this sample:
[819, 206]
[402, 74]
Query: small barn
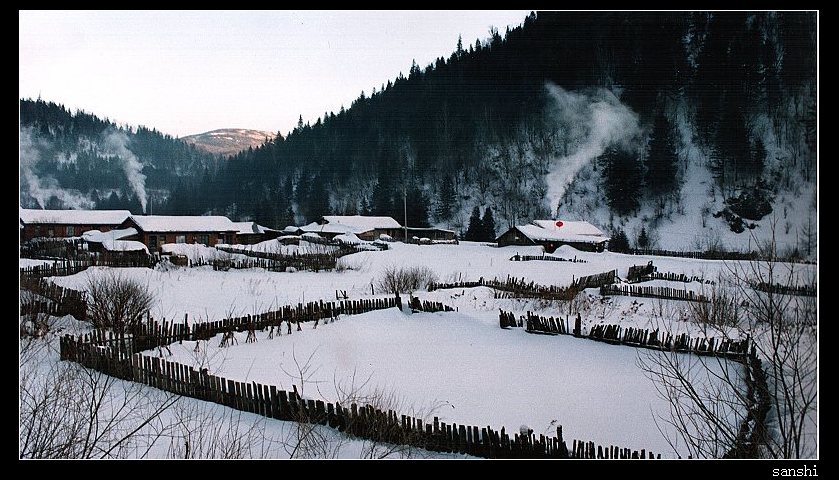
[250, 233]
[155, 230]
[551, 234]
[431, 233]
[67, 223]
[364, 227]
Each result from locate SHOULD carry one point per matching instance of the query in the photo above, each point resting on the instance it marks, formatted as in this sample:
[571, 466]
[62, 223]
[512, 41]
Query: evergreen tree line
[431, 132]
[478, 127]
[72, 149]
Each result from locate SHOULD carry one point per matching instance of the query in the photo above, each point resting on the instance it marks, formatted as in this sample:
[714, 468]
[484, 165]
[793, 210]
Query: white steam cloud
[588, 124]
[43, 188]
[115, 143]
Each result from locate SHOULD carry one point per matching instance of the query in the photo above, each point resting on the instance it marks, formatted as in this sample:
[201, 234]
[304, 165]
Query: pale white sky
[188, 72]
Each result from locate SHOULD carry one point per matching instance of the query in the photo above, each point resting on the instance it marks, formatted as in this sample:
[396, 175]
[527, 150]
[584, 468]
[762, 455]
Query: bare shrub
[68, 411]
[761, 406]
[117, 302]
[721, 310]
[405, 279]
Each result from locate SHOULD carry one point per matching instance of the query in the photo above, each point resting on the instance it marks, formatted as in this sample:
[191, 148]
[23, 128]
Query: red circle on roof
[559, 223]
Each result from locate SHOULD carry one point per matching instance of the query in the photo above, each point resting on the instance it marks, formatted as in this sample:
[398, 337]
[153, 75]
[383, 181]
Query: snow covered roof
[74, 217]
[563, 231]
[245, 228]
[100, 237]
[193, 223]
[336, 228]
[362, 223]
[348, 238]
[124, 246]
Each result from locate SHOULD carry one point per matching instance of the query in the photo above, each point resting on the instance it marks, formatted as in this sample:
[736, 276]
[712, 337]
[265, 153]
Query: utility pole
[405, 209]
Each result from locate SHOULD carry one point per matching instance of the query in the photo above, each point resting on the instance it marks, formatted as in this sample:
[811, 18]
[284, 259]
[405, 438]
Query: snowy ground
[210, 430]
[206, 294]
[458, 366]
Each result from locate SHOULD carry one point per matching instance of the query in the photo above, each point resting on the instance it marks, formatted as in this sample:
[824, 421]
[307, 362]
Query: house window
[50, 232]
[71, 231]
[153, 242]
[180, 238]
[203, 239]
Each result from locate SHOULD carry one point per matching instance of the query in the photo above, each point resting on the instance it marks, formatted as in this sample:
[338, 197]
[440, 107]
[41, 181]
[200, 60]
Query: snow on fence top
[74, 217]
[563, 231]
[194, 223]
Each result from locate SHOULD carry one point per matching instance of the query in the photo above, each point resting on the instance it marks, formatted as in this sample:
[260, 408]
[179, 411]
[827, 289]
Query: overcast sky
[190, 72]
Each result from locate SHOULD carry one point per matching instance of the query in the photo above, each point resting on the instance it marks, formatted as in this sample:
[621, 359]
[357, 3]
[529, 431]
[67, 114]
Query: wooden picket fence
[67, 266]
[652, 292]
[49, 248]
[547, 258]
[152, 333]
[360, 421]
[428, 306]
[677, 277]
[313, 262]
[716, 255]
[632, 336]
[60, 300]
[800, 290]
[516, 288]
[638, 273]
[596, 280]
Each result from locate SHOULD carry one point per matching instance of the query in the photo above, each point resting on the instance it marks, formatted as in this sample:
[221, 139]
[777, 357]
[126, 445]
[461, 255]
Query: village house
[155, 230]
[67, 223]
[249, 233]
[551, 234]
[431, 233]
[364, 227]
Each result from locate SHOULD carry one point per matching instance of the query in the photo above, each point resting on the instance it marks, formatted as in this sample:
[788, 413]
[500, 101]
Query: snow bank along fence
[55, 300]
[548, 258]
[635, 337]
[106, 353]
[800, 290]
[523, 289]
[752, 428]
[653, 292]
[378, 245]
[152, 333]
[715, 255]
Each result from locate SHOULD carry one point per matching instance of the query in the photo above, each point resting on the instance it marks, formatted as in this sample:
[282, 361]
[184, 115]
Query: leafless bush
[405, 279]
[203, 430]
[68, 411]
[767, 410]
[117, 302]
[721, 310]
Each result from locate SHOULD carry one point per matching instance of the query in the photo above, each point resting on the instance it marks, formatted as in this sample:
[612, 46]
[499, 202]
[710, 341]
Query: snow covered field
[459, 366]
[206, 294]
